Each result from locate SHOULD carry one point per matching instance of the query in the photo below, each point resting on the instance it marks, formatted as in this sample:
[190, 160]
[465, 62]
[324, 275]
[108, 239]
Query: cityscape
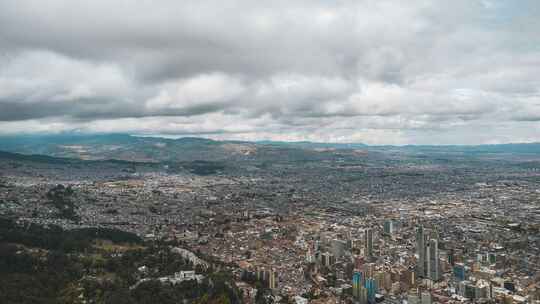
[296, 224]
[269, 152]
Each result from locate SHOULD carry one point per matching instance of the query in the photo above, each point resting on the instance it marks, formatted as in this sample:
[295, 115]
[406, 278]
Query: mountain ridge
[125, 136]
[134, 148]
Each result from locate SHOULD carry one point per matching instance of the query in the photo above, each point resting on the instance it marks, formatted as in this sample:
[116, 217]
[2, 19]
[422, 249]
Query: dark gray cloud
[372, 71]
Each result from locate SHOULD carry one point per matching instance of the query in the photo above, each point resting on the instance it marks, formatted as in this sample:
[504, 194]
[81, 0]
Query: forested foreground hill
[49, 265]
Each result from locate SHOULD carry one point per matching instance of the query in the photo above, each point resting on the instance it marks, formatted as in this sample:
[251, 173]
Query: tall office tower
[427, 265]
[363, 299]
[359, 262]
[272, 279]
[355, 243]
[388, 227]
[421, 250]
[451, 257]
[369, 270]
[492, 258]
[368, 243]
[262, 275]
[434, 263]
[379, 278]
[310, 257]
[316, 246]
[371, 286]
[358, 283]
[328, 259]
[460, 272]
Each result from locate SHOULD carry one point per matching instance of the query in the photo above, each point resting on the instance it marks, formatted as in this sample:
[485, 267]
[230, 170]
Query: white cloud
[201, 90]
[372, 71]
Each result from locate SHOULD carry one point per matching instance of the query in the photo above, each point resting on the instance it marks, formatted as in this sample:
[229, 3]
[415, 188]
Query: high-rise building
[421, 251]
[451, 257]
[379, 278]
[368, 243]
[359, 262]
[363, 295]
[388, 227]
[357, 283]
[360, 292]
[272, 279]
[428, 264]
[460, 272]
[369, 270]
[328, 259]
[492, 258]
[371, 286]
[466, 289]
[310, 257]
[262, 275]
[482, 290]
[434, 266]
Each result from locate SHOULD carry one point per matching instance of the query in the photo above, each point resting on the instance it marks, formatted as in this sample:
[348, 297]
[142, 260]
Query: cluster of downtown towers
[428, 264]
[427, 247]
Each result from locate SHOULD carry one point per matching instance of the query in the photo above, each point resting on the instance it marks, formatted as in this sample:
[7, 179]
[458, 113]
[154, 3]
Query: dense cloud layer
[381, 72]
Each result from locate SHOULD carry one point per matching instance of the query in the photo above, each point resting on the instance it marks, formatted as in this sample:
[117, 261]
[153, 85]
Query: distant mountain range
[157, 149]
[313, 145]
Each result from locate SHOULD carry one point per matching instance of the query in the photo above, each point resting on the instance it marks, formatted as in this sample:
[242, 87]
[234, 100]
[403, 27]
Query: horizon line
[259, 141]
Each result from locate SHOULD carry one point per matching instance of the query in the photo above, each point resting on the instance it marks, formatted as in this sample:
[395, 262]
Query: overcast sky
[378, 72]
